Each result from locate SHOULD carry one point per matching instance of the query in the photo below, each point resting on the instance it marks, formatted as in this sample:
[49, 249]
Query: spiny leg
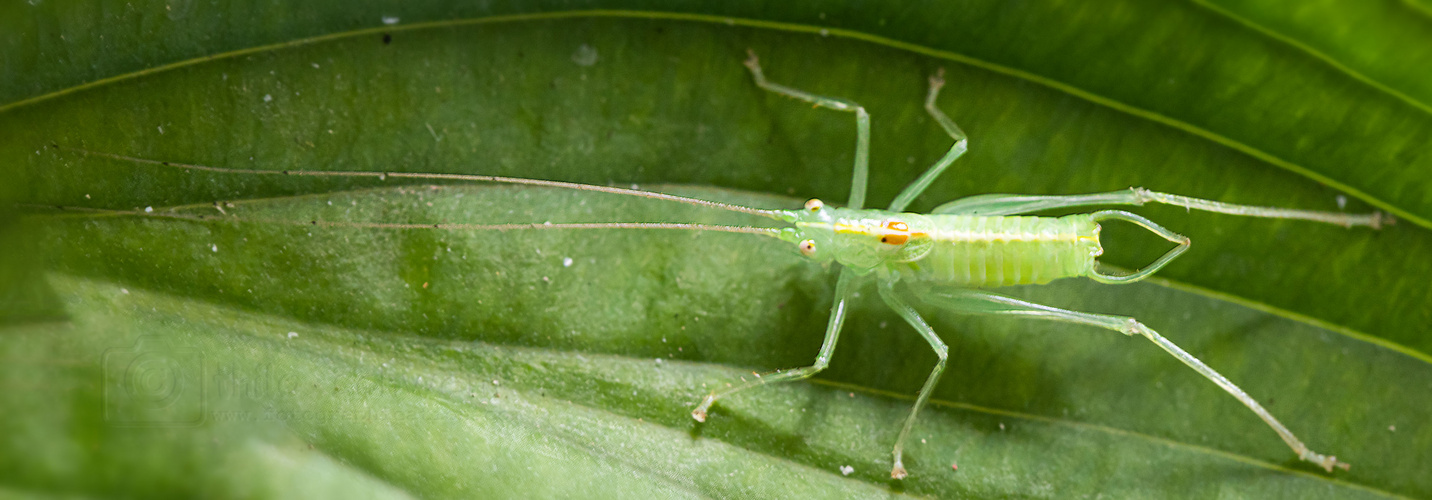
[1004, 204]
[887, 292]
[967, 301]
[914, 190]
[862, 125]
[845, 288]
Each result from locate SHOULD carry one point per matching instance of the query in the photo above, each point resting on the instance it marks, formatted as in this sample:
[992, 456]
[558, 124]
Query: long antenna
[765, 231]
[773, 214]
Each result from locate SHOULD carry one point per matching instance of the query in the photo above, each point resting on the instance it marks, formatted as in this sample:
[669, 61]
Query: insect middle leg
[845, 288]
[968, 301]
[861, 175]
[887, 292]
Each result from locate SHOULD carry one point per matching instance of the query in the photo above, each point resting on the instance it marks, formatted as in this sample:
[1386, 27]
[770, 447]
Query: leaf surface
[508, 370]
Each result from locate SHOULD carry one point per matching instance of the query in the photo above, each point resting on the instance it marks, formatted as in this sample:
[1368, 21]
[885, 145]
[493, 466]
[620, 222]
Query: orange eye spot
[895, 239]
[814, 205]
[900, 234]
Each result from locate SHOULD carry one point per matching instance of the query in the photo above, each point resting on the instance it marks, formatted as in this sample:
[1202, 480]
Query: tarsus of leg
[967, 301]
[1182, 241]
[845, 287]
[914, 190]
[1005, 204]
[862, 125]
[887, 292]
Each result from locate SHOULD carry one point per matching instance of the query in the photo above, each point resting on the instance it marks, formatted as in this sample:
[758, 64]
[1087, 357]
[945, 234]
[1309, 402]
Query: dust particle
[585, 55]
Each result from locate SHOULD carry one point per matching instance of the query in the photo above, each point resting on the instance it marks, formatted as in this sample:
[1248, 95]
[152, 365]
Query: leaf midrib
[1342, 330]
[398, 338]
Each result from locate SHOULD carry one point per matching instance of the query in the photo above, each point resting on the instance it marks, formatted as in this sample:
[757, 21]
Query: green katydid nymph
[945, 259]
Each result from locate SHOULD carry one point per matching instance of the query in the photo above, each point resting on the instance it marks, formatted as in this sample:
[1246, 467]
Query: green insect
[981, 241]
[944, 258]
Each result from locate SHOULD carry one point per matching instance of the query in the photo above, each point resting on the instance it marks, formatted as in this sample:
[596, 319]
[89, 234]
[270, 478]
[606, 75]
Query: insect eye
[808, 248]
[814, 205]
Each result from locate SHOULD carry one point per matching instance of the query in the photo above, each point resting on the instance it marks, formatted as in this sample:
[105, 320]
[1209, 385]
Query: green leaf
[326, 360]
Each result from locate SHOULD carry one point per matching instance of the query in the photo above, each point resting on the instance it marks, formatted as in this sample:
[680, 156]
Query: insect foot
[700, 412]
[898, 472]
[753, 62]
[937, 80]
[1327, 462]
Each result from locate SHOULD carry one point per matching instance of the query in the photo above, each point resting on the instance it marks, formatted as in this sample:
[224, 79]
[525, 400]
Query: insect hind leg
[1009, 204]
[1374, 220]
[861, 175]
[967, 301]
[1163, 232]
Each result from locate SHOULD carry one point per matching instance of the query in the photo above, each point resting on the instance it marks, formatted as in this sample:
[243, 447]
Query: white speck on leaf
[268, 98]
[293, 335]
[390, 20]
[566, 262]
[148, 209]
[585, 55]
[215, 248]
[1342, 202]
[846, 470]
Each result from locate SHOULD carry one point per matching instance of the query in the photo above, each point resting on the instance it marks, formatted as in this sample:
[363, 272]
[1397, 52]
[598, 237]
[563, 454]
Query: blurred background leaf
[333, 361]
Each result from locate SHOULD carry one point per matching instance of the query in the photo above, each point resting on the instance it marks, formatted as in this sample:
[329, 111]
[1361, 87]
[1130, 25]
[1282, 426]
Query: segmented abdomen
[1000, 251]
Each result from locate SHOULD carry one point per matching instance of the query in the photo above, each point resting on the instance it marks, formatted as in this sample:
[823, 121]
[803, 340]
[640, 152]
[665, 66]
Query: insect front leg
[861, 174]
[887, 292]
[967, 301]
[914, 190]
[845, 288]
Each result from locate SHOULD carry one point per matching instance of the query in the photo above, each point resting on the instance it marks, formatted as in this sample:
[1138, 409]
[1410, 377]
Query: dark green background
[495, 370]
